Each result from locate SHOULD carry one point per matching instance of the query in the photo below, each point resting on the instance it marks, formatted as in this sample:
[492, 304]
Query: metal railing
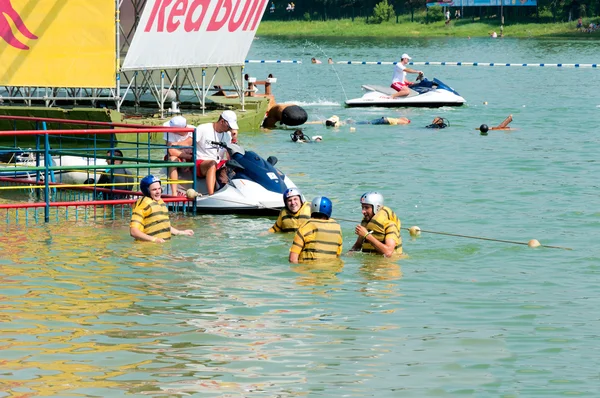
[42, 177]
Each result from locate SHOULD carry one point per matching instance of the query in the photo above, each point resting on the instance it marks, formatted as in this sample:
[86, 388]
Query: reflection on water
[85, 311]
[319, 273]
[50, 300]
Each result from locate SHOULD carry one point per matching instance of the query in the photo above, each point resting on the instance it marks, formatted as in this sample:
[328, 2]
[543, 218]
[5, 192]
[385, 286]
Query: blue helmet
[288, 193]
[321, 205]
[146, 182]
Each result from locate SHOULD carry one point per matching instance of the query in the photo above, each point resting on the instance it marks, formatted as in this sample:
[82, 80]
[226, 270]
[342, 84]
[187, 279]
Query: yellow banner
[57, 43]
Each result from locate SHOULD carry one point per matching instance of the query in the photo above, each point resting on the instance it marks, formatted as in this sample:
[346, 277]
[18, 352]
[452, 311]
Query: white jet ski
[255, 186]
[71, 176]
[426, 93]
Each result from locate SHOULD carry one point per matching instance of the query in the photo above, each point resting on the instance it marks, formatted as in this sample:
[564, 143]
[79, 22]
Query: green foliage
[380, 11]
[405, 28]
[435, 14]
[383, 12]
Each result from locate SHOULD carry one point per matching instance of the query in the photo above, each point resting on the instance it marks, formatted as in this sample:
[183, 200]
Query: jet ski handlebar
[219, 143]
[231, 147]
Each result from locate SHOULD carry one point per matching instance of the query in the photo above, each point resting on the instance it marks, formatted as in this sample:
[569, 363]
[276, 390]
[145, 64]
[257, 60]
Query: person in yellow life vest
[150, 216]
[296, 212]
[379, 231]
[320, 238]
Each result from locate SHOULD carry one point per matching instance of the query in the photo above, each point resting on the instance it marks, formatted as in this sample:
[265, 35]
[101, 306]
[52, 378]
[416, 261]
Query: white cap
[178, 121]
[231, 118]
[405, 55]
[333, 121]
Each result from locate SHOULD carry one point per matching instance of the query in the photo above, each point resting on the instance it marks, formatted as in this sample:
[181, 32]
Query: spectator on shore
[447, 17]
[579, 23]
[272, 8]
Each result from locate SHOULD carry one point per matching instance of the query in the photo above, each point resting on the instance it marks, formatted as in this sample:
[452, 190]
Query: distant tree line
[376, 11]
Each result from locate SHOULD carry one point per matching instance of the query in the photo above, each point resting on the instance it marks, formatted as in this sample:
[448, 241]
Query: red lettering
[192, 25]
[257, 9]
[216, 24]
[159, 8]
[233, 23]
[177, 11]
[191, 14]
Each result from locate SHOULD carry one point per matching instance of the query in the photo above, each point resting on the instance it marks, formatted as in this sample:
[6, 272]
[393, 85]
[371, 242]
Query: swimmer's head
[298, 135]
[333, 121]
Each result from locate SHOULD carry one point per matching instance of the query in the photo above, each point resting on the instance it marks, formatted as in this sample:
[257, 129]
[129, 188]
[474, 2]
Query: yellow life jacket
[289, 222]
[318, 239]
[151, 217]
[384, 225]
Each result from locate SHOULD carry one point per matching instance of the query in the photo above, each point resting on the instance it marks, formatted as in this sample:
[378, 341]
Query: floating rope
[273, 61]
[434, 63]
[414, 231]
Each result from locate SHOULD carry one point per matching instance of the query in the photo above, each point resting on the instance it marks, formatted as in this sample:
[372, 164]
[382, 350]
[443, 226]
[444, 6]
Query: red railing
[112, 128]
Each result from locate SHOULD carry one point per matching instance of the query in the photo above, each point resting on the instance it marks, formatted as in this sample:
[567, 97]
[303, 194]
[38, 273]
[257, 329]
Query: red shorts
[199, 162]
[398, 86]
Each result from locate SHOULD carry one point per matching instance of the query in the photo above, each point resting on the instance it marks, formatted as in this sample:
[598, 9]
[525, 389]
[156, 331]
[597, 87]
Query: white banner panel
[194, 33]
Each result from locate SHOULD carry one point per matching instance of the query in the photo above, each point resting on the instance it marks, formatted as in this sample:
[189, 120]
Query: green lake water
[86, 312]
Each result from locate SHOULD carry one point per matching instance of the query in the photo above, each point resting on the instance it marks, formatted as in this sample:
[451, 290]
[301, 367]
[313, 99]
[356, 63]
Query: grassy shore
[405, 28]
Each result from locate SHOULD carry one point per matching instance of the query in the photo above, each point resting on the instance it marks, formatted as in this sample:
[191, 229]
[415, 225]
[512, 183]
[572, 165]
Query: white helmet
[288, 193]
[374, 199]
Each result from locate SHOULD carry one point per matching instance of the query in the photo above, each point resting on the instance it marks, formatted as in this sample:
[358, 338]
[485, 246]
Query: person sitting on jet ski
[399, 82]
[211, 157]
[295, 213]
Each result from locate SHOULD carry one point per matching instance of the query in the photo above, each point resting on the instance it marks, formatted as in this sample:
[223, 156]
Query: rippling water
[87, 312]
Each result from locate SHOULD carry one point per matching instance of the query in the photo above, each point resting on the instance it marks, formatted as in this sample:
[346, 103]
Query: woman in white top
[175, 139]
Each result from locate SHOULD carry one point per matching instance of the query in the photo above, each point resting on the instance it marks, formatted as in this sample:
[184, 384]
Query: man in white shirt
[211, 157]
[399, 82]
[175, 139]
